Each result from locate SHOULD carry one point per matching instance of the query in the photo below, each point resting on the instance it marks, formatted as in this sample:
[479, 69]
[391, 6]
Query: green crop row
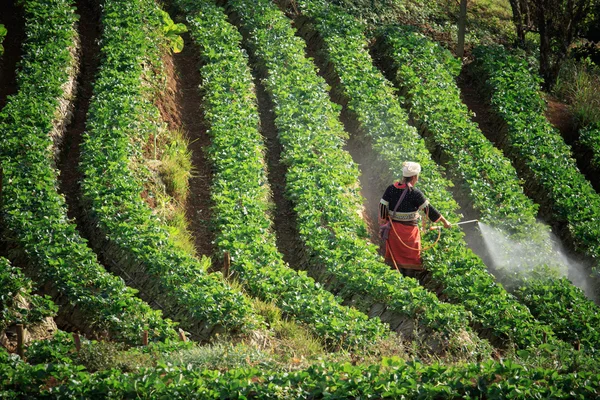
[426, 72]
[127, 232]
[370, 97]
[322, 183]
[489, 179]
[537, 149]
[18, 303]
[240, 189]
[590, 138]
[392, 379]
[34, 214]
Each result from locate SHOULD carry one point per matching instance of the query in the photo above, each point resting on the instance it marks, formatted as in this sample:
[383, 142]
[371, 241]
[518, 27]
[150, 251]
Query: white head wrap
[410, 168]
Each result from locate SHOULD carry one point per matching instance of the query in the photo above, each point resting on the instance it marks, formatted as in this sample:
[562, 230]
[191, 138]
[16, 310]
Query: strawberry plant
[537, 149]
[427, 73]
[240, 189]
[456, 271]
[34, 215]
[322, 183]
[392, 378]
[14, 284]
[3, 32]
[126, 232]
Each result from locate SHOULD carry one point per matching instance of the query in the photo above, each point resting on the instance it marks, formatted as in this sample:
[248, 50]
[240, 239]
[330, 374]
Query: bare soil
[68, 164]
[284, 216]
[181, 109]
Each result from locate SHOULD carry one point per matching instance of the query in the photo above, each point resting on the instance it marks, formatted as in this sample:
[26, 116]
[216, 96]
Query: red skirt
[407, 254]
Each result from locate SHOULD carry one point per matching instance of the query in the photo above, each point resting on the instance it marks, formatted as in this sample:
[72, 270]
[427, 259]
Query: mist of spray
[520, 258]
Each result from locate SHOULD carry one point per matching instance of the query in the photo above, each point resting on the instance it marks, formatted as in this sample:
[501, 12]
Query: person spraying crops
[399, 228]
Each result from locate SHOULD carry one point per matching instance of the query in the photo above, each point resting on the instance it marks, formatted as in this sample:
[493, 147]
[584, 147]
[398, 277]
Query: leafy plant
[128, 233]
[456, 271]
[3, 32]
[172, 31]
[537, 148]
[427, 72]
[322, 183]
[34, 214]
[240, 190]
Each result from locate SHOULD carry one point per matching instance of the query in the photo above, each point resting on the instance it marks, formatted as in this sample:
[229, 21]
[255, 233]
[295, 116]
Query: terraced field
[302, 121]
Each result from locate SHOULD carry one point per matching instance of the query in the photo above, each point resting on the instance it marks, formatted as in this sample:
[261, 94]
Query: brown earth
[68, 164]
[284, 216]
[181, 109]
[559, 115]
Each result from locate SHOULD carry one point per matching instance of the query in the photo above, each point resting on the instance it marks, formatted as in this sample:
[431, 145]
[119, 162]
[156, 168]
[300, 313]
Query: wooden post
[545, 335]
[77, 341]
[182, 335]
[20, 341]
[462, 22]
[226, 264]
[145, 338]
[578, 345]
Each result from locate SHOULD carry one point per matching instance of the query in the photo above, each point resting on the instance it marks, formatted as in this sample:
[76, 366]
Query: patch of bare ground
[68, 163]
[180, 107]
[284, 216]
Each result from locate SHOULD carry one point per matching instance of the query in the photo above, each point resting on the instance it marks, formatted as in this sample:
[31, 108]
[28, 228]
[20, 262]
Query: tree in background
[521, 19]
[559, 23]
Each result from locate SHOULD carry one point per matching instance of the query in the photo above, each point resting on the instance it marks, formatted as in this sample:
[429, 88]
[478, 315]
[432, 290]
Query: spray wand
[458, 223]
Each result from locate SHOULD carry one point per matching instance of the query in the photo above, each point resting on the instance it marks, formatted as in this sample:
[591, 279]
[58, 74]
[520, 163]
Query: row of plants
[536, 148]
[426, 72]
[241, 193]
[589, 138]
[34, 215]
[18, 303]
[126, 232]
[392, 378]
[370, 98]
[322, 183]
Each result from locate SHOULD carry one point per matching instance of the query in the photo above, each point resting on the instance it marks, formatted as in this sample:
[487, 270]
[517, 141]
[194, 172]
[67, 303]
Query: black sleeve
[423, 204]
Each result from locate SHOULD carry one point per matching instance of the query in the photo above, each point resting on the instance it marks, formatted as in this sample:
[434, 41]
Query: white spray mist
[519, 258]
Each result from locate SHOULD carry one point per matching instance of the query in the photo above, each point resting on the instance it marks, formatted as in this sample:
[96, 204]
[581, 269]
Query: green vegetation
[536, 148]
[486, 178]
[577, 85]
[241, 194]
[18, 303]
[457, 272]
[127, 232]
[34, 214]
[322, 183]
[392, 378]
[3, 32]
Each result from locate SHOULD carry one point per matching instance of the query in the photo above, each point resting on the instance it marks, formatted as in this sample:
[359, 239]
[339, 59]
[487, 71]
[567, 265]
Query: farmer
[403, 246]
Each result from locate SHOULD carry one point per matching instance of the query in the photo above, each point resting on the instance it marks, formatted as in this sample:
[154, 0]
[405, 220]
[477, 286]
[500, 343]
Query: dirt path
[284, 217]
[181, 109]
[13, 20]
[68, 164]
